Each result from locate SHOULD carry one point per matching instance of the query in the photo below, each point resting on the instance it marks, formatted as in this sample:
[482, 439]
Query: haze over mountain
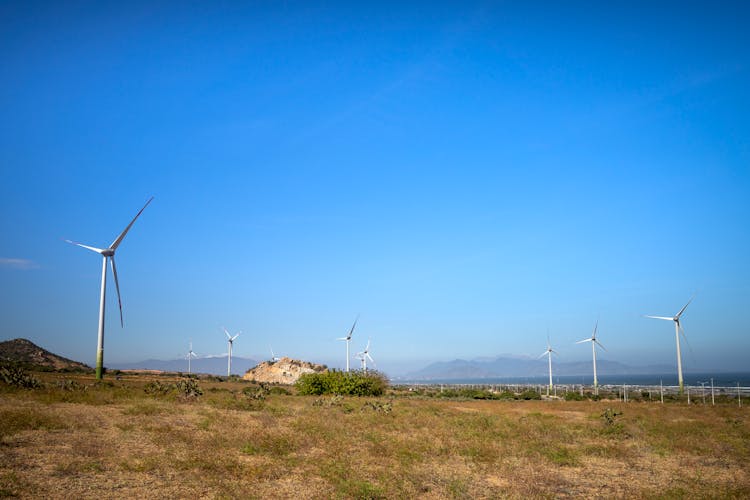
[517, 366]
[212, 365]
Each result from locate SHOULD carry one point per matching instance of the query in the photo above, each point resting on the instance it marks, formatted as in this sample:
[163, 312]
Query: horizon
[468, 179]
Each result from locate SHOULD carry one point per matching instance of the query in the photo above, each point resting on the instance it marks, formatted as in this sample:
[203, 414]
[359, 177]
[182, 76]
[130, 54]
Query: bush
[157, 388]
[188, 388]
[17, 377]
[574, 396]
[529, 394]
[355, 383]
[609, 415]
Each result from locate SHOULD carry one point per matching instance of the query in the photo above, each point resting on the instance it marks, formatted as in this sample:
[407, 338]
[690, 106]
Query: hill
[29, 355]
[283, 371]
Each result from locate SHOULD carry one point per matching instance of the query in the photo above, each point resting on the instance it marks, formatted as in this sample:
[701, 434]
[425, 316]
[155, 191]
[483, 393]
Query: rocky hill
[283, 371]
[29, 355]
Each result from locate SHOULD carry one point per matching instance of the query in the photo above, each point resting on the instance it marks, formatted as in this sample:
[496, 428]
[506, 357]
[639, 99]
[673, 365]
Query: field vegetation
[145, 436]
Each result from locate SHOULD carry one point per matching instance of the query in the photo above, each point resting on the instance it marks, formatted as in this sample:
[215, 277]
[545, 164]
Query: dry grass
[113, 440]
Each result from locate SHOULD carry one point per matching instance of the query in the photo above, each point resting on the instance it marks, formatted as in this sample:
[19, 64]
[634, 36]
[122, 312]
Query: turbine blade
[353, 326]
[342, 338]
[93, 249]
[225, 331]
[596, 326]
[370, 358]
[600, 345]
[685, 307]
[690, 348]
[119, 239]
[542, 355]
[117, 287]
[658, 317]
[232, 339]
[584, 340]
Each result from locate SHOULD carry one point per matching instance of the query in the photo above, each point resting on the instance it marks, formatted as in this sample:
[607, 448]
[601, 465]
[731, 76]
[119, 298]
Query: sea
[720, 379]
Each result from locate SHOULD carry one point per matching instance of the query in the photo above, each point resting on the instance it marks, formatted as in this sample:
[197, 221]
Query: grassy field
[75, 438]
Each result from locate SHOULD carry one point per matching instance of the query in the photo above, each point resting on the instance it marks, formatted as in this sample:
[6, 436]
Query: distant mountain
[30, 356]
[507, 366]
[214, 365]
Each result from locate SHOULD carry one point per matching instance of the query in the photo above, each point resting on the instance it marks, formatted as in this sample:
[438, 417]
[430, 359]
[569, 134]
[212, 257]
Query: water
[728, 379]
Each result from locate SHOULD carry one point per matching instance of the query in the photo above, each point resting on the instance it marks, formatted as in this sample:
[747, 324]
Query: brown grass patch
[117, 441]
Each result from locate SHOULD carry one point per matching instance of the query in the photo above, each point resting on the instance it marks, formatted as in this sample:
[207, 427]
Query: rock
[283, 371]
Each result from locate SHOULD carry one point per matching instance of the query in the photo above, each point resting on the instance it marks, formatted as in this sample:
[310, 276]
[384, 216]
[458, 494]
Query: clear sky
[466, 176]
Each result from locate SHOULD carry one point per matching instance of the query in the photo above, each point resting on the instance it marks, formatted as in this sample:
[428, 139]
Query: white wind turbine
[108, 254]
[348, 339]
[594, 343]
[677, 329]
[548, 353]
[273, 356]
[190, 355]
[230, 341]
[364, 356]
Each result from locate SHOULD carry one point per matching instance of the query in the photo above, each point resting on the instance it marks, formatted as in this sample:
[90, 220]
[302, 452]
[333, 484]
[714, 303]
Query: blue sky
[464, 176]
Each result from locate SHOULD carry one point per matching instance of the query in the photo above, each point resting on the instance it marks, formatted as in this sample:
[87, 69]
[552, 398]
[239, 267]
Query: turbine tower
[190, 355]
[594, 343]
[364, 356]
[548, 353]
[348, 339]
[230, 341]
[108, 254]
[677, 329]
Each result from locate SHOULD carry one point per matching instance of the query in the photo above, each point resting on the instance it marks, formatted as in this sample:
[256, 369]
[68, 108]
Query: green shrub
[157, 388]
[188, 388]
[17, 377]
[529, 394]
[609, 415]
[574, 396]
[355, 383]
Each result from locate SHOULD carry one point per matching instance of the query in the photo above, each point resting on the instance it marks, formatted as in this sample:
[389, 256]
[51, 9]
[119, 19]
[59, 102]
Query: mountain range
[511, 366]
[212, 365]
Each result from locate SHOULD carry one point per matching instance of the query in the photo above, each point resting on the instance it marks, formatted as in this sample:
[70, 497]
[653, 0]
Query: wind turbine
[230, 341]
[108, 254]
[364, 356]
[548, 353]
[273, 356]
[677, 329]
[348, 339]
[190, 355]
[594, 343]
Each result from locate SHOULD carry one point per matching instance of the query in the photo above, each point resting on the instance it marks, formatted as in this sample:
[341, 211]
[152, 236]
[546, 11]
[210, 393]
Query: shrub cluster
[472, 393]
[357, 383]
[17, 377]
[185, 388]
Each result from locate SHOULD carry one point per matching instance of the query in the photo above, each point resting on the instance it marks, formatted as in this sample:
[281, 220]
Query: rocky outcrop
[283, 371]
